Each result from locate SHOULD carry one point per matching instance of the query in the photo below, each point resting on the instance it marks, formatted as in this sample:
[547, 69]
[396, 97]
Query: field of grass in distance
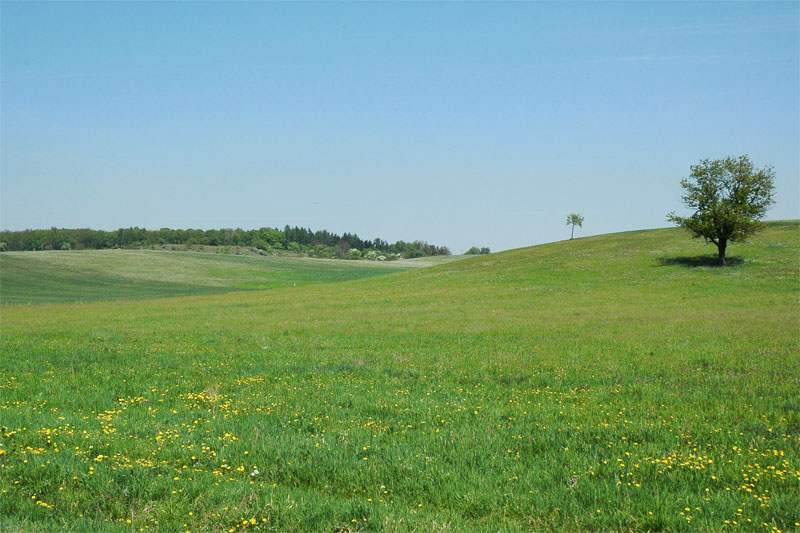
[606, 383]
[88, 275]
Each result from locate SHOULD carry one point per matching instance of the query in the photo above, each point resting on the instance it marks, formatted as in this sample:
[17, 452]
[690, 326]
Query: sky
[459, 124]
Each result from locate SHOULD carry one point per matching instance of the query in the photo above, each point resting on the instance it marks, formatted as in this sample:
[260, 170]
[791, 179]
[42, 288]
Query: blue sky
[455, 123]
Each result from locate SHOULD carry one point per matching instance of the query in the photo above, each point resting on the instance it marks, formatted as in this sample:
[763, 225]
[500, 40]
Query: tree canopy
[728, 196]
[321, 243]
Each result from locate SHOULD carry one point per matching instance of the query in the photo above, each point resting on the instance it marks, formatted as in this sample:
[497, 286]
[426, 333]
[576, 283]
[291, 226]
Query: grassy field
[90, 275]
[616, 382]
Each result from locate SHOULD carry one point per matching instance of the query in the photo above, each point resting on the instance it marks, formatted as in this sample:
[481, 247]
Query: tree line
[319, 243]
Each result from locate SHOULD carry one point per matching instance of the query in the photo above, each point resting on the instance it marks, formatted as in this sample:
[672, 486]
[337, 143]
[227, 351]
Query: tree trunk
[723, 243]
[573, 232]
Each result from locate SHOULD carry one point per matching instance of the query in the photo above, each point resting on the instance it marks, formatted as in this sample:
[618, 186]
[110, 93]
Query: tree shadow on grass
[699, 261]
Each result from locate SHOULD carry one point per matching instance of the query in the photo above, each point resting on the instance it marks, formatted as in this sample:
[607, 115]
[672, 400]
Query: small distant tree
[576, 220]
[342, 249]
[729, 196]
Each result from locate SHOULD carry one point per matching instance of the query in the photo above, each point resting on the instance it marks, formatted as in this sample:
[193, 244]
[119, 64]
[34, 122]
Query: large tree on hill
[729, 196]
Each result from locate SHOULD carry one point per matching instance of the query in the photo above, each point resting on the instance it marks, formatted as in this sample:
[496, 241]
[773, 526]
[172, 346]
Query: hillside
[68, 276]
[606, 383]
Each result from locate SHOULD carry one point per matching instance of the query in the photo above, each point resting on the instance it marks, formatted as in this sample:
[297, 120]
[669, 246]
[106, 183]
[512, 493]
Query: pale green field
[64, 276]
[608, 383]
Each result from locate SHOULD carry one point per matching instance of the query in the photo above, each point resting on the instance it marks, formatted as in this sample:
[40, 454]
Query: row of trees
[291, 238]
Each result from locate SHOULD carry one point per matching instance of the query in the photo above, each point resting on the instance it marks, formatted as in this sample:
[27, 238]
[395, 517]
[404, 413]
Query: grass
[594, 384]
[61, 276]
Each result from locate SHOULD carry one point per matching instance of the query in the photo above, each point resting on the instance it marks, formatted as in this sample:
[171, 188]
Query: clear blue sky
[455, 123]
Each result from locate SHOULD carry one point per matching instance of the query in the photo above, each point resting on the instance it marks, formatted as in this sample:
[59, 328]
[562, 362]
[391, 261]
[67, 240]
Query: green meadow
[64, 276]
[618, 382]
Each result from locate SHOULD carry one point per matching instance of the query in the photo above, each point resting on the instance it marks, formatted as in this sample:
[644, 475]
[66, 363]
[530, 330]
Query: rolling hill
[616, 382]
[90, 275]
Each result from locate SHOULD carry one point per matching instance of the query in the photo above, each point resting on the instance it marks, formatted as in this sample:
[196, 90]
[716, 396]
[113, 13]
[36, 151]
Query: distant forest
[320, 243]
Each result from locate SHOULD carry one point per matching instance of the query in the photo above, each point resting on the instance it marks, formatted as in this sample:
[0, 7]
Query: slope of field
[39, 277]
[607, 383]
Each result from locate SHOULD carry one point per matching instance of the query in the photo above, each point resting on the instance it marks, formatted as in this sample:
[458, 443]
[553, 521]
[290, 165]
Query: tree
[576, 220]
[728, 197]
[342, 249]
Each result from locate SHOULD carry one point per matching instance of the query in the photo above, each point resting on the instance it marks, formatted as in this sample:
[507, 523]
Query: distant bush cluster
[321, 243]
[478, 251]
